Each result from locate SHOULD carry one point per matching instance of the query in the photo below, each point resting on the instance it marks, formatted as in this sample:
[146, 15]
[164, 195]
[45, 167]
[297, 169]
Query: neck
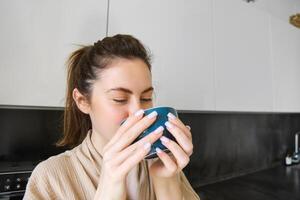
[98, 141]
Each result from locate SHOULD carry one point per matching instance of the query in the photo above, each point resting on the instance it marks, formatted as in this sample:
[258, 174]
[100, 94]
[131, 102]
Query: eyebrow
[129, 91]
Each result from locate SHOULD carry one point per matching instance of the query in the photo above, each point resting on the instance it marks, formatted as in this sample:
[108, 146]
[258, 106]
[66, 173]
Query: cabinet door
[36, 37]
[179, 35]
[242, 57]
[286, 65]
[278, 8]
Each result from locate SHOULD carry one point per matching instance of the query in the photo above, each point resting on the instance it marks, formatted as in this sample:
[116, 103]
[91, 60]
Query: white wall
[36, 38]
[208, 54]
[286, 66]
[242, 57]
[215, 54]
[182, 47]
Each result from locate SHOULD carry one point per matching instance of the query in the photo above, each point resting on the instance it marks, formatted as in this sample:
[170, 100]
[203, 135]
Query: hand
[168, 166]
[120, 156]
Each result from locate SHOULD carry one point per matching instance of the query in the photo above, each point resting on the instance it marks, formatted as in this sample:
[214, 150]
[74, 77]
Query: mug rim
[159, 107]
[150, 109]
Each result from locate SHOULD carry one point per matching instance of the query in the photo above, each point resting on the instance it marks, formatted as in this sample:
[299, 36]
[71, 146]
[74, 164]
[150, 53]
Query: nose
[134, 107]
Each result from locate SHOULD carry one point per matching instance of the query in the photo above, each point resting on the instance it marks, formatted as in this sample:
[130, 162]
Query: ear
[81, 101]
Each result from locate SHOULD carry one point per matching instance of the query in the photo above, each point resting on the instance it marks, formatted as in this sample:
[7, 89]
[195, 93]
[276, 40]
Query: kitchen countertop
[277, 183]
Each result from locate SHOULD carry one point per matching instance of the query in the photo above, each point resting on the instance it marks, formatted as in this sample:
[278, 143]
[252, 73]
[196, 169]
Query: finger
[135, 158]
[130, 121]
[152, 137]
[181, 138]
[172, 118]
[167, 160]
[120, 157]
[181, 157]
[132, 133]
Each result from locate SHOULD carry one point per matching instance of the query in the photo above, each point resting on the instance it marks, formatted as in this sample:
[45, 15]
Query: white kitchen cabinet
[286, 65]
[36, 37]
[179, 35]
[280, 9]
[242, 57]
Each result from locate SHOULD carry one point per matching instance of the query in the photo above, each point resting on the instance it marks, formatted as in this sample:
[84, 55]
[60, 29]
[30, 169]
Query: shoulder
[48, 175]
[53, 169]
[44, 175]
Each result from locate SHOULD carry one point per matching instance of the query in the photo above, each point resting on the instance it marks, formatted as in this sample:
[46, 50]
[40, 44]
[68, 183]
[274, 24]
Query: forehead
[128, 73]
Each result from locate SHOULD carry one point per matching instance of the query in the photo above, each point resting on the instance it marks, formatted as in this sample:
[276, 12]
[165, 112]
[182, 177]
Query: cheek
[117, 115]
[112, 116]
[107, 118]
[107, 113]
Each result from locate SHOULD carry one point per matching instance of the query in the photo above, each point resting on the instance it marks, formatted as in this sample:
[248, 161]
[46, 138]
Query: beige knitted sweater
[74, 174]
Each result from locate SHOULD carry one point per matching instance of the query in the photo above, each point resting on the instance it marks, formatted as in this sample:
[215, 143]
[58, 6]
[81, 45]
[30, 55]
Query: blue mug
[161, 119]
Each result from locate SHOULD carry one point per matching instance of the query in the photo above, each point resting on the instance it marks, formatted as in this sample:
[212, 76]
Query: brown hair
[83, 69]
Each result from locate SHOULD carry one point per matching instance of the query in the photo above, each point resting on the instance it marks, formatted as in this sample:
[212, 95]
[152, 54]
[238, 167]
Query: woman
[107, 83]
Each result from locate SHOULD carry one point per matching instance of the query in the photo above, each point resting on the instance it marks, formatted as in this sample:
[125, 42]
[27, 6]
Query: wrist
[111, 190]
[167, 187]
[165, 180]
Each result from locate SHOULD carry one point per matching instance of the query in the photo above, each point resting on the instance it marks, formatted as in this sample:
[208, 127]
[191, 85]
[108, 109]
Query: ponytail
[76, 123]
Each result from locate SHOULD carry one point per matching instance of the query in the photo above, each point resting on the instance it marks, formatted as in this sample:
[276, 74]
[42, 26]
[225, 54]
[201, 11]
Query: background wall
[208, 54]
[228, 145]
[36, 37]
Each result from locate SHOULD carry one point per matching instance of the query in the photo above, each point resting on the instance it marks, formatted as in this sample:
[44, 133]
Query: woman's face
[123, 88]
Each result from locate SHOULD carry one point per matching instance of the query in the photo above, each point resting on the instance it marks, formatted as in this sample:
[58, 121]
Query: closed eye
[125, 100]
[120, 100]
[146, 99]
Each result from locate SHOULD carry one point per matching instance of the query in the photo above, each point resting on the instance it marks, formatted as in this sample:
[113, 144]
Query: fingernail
[158, 150]
[171, 116]
[169, 125]
[147, 145]
[151, 115]
[164, 139]
[158, 130]
[188, 127]
[140, 112]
